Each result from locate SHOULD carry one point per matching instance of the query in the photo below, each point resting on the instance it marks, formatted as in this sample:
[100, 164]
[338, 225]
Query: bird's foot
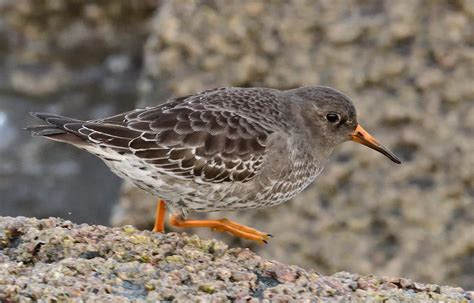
[243, 231]
[224, 225]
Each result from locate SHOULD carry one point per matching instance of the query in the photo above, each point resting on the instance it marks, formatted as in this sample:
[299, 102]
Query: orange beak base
[361, 136]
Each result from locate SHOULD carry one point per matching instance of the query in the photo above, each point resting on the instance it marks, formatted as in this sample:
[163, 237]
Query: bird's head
[331, 117]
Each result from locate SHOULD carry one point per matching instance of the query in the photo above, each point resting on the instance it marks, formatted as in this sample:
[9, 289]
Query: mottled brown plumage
[227, 148]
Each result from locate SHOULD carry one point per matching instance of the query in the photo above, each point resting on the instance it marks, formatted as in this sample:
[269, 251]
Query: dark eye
[333, 117]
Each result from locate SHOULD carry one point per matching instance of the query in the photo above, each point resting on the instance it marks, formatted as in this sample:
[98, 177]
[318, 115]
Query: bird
[228, 148]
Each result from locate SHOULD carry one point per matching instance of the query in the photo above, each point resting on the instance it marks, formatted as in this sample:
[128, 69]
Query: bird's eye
[333, 117]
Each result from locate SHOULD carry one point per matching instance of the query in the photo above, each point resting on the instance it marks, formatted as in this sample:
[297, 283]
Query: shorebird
[222, 149]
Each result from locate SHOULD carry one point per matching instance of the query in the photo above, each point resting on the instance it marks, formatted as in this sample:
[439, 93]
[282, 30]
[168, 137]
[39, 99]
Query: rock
[56, 260]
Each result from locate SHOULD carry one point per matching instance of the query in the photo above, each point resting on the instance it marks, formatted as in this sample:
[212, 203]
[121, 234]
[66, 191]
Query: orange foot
[223, 225]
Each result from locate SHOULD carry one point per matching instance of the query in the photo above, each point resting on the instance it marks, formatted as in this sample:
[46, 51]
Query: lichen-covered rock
[56, 260]
[409, 67]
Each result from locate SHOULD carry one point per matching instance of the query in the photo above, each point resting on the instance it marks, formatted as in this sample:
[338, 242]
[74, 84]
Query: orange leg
[223, 225]
[160, 217]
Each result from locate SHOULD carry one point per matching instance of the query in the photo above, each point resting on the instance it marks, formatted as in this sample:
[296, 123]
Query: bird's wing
[187, 139]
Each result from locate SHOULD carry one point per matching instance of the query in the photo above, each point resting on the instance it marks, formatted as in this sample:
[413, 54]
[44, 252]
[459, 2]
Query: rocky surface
[56, 260]
[408, 65]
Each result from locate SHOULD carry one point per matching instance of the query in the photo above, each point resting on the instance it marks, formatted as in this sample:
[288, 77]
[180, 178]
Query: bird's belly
[185, 195]
[179, 193]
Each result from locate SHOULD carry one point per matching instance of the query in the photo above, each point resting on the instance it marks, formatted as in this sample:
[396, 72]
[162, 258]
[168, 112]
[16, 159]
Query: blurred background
[409, 66]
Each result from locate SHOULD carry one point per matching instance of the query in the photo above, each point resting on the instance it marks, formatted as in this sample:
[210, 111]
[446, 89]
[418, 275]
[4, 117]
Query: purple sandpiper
[222, 149]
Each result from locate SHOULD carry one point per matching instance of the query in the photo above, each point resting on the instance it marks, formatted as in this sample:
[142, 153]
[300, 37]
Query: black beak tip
[392, 156]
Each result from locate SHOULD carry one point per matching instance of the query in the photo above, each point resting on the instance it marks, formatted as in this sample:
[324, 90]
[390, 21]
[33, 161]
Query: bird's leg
[224, 225]
[160, 217]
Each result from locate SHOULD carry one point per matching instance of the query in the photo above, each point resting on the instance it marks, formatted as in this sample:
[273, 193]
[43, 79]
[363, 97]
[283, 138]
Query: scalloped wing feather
[187, 139]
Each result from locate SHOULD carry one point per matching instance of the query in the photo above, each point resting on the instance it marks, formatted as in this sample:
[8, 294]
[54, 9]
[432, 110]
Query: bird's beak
[361, 136]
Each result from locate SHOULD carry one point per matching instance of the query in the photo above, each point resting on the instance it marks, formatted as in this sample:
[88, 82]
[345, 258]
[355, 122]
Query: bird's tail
[58, 128]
